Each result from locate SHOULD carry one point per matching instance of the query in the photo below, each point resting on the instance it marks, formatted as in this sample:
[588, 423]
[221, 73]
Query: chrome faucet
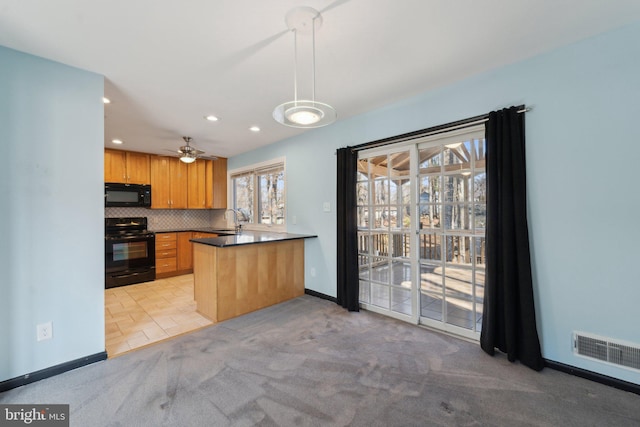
[236, 225]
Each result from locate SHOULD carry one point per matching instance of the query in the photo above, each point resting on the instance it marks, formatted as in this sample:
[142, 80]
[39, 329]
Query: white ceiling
[167, 64]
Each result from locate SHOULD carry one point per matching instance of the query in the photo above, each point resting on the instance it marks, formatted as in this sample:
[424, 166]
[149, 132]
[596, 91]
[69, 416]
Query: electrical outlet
[313, 272]
[44, 331]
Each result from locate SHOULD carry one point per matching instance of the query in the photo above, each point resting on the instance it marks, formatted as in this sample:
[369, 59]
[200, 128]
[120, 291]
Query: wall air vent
[607, 350]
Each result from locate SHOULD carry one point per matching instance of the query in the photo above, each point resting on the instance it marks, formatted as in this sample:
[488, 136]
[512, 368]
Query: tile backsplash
[172, 219]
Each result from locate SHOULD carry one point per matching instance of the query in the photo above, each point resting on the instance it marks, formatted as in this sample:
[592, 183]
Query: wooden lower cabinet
[166, 254]
[235, 280]
[185, 251]
[174, 254]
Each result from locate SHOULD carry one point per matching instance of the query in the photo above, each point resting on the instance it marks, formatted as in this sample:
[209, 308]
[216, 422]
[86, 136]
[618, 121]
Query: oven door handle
[127, 238]
[125, 275]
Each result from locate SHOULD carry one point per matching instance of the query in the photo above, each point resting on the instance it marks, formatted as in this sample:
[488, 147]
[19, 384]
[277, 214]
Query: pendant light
[304, 113]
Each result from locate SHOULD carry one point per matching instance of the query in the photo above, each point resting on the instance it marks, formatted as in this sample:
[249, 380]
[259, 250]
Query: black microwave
[127, 195]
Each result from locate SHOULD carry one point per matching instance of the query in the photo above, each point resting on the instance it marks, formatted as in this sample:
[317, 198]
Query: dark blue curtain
[509, 321]
[347, 251]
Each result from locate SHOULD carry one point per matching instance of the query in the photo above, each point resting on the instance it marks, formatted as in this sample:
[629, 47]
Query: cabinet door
[208, 185]
[219, 183]
[197, 184]
[178, 183]
[138, 169]
[185, 251]
[160, 182]
[115, 166]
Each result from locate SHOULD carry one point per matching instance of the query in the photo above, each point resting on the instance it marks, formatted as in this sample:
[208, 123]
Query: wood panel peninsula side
[238, 274]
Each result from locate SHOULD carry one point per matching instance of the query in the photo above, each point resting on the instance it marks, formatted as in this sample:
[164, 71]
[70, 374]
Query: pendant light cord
[313, 59]
[295, 66]
[313, 62]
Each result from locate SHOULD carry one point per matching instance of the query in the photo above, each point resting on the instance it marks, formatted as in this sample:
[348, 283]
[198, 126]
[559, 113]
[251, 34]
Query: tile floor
[145, 313]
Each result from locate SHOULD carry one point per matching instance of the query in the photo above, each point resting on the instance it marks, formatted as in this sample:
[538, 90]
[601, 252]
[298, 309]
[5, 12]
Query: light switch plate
[44, 331]
[326, 206]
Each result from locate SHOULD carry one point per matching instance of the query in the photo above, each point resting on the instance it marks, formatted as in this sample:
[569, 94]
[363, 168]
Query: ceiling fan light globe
[188, 158]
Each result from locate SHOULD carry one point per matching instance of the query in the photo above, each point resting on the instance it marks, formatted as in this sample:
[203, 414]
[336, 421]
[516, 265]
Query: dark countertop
[249, 238]
[221, 231]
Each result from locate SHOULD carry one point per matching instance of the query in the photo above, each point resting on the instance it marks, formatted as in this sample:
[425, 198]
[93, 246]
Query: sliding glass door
[421, 217]
[384, 232]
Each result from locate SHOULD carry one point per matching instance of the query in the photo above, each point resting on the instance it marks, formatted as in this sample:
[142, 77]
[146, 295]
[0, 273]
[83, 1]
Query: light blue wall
[51, 227]
[583, 146]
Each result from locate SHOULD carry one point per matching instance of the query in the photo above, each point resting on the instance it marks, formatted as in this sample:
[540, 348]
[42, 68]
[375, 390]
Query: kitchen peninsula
[239, 273]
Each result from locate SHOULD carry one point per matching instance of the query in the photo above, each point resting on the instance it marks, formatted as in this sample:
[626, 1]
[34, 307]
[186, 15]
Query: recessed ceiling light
[211, 118]
[254, 129]
[106, 100]
[117, 141]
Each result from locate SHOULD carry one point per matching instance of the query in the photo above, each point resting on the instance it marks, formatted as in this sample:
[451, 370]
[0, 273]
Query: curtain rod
[460, 124]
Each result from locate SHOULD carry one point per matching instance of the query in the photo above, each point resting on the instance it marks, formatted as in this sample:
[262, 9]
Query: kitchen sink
[222, 231]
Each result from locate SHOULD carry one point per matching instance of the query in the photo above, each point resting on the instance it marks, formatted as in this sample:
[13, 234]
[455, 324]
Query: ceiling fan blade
[334, 4]
[189, 149]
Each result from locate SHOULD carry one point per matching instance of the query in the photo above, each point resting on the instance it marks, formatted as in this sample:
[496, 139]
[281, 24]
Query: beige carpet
[308, 362]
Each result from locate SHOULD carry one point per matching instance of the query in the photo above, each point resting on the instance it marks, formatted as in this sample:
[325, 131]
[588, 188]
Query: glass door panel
[431, 291]
[451, 235]
[384, 232]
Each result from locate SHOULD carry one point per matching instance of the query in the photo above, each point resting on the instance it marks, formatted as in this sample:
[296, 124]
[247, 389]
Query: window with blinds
[258, 194]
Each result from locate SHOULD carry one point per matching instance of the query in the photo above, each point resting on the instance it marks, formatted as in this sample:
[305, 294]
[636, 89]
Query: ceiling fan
[189, 154]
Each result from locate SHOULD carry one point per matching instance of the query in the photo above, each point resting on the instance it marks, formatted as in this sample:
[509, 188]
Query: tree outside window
[258, 195]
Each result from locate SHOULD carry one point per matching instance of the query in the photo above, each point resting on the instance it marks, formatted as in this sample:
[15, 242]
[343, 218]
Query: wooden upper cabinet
[138, 168]
[178, 185]
[126, 167]
[197, 184]
[115, 165]
[178, 171]
[219, 183]
[207, 184]
[168, 183]
[160, 188]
